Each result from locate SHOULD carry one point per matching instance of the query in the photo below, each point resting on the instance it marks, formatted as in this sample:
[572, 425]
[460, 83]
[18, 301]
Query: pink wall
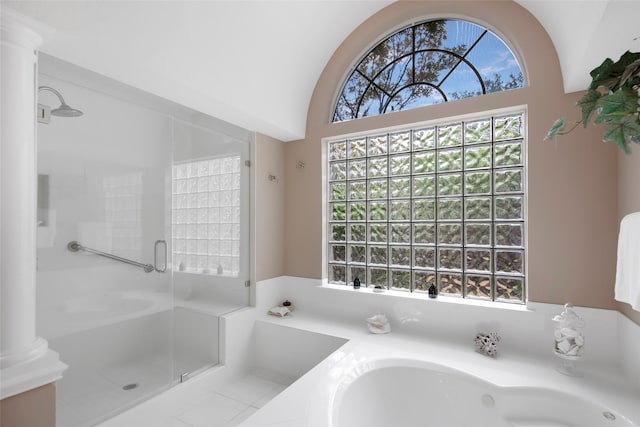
[572, 214]
[269, 211]
[33, 408]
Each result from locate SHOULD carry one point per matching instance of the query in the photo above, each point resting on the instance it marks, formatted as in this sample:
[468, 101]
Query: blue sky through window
[428, 63]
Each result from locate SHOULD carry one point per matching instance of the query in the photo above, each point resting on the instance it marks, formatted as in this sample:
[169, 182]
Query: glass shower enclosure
[143, 240]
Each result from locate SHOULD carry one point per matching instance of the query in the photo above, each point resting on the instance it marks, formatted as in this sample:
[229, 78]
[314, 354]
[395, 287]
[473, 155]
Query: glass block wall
[442, 205]
[206, 216]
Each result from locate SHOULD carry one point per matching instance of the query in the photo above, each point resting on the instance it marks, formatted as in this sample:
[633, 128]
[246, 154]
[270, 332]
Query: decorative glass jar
[569, 340]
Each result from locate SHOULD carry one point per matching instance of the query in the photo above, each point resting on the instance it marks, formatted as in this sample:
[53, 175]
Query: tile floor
[231, 404]
[82, 398]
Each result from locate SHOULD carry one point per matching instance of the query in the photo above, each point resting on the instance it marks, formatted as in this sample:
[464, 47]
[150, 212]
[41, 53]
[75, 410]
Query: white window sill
[440, 299]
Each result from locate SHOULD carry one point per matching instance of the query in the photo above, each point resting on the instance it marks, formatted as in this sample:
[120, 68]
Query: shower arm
[74, 246]
[53, 91]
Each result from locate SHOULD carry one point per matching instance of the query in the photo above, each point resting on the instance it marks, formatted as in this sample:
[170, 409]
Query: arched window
[428, 63]
[437, 205]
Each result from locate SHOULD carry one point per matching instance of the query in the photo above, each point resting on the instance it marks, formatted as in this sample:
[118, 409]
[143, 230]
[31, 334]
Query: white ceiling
[256, 63]
[585, 32]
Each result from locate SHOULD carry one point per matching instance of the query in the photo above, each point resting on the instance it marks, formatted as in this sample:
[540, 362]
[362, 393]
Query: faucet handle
[487, 344]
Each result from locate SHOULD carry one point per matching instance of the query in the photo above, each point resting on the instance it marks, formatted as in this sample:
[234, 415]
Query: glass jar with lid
[568, 339]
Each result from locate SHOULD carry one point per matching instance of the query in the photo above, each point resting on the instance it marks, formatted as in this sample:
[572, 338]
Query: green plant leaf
[622, 132]
[622, 102]
[609, 72]
[588, 104]
[600, 73]
[632, 70]
[557, 126]
[626, 61]
[618, 108]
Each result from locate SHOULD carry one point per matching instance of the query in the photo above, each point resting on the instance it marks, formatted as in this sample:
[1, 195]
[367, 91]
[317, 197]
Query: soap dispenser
[356, 283]
[433, 292]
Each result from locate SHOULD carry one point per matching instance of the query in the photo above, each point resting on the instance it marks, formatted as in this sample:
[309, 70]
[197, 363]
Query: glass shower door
[135, 181]
[102, 184]
[210, 236]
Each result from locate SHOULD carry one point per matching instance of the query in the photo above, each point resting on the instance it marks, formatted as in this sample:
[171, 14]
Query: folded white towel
[628, 265]
[279, 311]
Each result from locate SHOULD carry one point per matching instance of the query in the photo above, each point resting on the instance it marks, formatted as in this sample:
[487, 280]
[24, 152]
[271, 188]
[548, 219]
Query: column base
[38, 349]
[36, 372]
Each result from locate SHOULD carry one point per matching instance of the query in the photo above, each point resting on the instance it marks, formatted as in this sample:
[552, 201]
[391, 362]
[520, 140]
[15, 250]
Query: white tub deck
[309, 401]
[326, 337]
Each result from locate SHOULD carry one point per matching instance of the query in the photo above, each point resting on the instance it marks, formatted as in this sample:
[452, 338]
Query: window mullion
[389, 247]
[492, 246]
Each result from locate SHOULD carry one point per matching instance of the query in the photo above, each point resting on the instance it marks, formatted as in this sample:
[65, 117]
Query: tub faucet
[487, 344]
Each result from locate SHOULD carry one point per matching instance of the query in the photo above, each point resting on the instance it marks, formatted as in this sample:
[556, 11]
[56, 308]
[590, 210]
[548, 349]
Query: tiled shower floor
[103, 393]
[81, 397]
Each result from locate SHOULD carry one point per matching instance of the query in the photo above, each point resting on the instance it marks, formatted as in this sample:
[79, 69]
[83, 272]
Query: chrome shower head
[64, 110]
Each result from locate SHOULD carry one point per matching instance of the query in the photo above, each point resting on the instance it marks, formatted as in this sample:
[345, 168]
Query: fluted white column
[21, 350]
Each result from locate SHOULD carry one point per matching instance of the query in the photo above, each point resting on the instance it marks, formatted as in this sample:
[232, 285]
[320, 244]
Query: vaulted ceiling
[255, 63]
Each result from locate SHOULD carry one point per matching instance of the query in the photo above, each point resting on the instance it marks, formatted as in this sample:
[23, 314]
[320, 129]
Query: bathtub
[408, 392]
[398, 381]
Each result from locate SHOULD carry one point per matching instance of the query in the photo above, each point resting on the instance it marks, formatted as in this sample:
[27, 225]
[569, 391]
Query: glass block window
[428, 63]
[206, 216]
[439, 205]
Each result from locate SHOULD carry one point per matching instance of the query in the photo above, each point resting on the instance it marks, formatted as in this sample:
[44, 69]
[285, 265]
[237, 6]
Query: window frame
[494, 248]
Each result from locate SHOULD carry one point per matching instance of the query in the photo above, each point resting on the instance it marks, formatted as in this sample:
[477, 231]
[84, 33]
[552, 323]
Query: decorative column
[25, 361]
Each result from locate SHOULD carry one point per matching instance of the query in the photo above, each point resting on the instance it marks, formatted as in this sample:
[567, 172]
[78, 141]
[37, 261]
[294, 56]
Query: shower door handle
[155, 256]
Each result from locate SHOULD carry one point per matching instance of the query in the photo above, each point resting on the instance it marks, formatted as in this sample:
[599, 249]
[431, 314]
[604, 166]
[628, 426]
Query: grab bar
[74, 246]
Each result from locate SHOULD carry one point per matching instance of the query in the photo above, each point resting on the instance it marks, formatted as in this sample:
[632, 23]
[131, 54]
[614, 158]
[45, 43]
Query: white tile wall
[526, 330]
